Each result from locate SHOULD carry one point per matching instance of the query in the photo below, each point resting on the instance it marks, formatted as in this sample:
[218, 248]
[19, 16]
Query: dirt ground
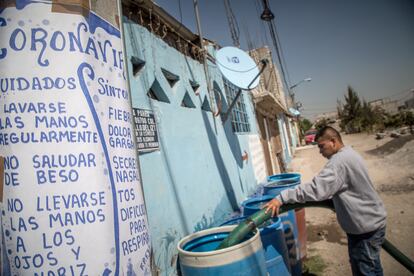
[390, 163]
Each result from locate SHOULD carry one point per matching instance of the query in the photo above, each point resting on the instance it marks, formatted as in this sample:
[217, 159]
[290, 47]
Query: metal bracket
[264, 63]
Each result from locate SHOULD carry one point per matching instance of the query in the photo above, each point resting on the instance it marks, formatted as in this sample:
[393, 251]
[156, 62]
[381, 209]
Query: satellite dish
[238, 67]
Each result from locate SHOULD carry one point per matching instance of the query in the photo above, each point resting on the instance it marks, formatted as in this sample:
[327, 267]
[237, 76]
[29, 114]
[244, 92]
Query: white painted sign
[73, 204]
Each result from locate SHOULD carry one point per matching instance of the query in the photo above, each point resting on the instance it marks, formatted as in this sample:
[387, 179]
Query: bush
[305, 125]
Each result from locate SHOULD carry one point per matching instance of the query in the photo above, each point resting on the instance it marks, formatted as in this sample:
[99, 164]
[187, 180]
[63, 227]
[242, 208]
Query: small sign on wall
[146, 130]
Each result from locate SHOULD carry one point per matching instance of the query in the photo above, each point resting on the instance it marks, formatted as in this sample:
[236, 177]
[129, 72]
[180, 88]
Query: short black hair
[329, 132]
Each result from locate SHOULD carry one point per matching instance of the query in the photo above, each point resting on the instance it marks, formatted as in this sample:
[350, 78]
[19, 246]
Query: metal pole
[200, 34]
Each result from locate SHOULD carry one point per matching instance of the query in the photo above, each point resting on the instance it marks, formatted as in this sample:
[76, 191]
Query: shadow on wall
[221, 167]
[168, 249]
[232, 139]
[220, 215]
[171, 238]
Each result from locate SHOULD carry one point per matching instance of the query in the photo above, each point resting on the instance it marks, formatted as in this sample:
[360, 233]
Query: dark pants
[364, 252]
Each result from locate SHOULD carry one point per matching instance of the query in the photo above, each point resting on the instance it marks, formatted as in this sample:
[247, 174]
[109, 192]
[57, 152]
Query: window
[137, 65]
[239, 117]
[195, 86]
[157, 93]
[171, 78]
[206, 105]
[187, 102]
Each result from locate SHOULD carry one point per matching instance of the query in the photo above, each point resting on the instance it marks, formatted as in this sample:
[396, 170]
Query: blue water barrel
[290, 229]
[284, 177]
[198, 254]
[279, 182]
[292, 241]
[275, 250]
[253, 205]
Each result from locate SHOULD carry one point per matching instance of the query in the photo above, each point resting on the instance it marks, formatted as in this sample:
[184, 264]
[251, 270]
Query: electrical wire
[234, 27]
[249, 41]
[278, 49]
[281, 52]
[257, 7]
[181, 16]
[278, 53]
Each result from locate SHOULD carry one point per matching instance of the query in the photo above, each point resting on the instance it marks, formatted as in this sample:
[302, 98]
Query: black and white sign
[146, 130]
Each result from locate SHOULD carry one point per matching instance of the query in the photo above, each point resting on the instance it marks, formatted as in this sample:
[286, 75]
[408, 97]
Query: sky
[367, 44]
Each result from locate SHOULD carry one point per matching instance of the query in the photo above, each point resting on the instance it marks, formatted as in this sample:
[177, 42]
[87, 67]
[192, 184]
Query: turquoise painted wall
[197, 178]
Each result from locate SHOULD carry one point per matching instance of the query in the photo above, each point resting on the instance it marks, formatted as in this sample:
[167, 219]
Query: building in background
[330, 117]
[270, 105]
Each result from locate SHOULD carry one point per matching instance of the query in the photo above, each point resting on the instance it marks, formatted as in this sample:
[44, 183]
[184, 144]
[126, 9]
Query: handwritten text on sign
[72, 199]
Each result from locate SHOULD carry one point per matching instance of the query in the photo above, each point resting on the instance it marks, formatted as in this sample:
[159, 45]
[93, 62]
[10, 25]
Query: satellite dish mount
[239, 69]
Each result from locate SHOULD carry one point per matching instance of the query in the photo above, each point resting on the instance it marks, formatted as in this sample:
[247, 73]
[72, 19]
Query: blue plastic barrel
[292, 241]
[276, 184]
[198, 254]
[279, 182]
[288, 177]
[275, 250]
[290, 229]
[253, 205]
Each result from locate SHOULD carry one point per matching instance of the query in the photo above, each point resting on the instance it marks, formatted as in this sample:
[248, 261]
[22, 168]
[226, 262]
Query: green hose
[258, 218]
[398, 255]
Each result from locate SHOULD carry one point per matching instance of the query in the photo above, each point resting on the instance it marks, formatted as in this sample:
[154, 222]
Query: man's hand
[273, 205]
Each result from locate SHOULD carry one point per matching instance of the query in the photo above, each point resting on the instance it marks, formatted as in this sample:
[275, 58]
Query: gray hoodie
[345, 180]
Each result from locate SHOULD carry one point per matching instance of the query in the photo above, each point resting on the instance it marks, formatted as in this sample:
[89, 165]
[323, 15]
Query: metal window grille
[239, 117]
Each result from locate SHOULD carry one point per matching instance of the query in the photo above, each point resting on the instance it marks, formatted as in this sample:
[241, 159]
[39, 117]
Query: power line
[281, 52]
[249, 41]
[276, 45]
[234, 27]
[257, 6]
[181, 12]
[278, 54]
[181, 15]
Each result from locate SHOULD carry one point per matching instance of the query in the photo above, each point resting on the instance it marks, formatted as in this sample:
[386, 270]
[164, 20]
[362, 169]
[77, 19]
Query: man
[359, 210]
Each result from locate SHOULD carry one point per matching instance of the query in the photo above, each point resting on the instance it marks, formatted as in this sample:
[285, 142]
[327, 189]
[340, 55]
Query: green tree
[305, 125]
[350, 114]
